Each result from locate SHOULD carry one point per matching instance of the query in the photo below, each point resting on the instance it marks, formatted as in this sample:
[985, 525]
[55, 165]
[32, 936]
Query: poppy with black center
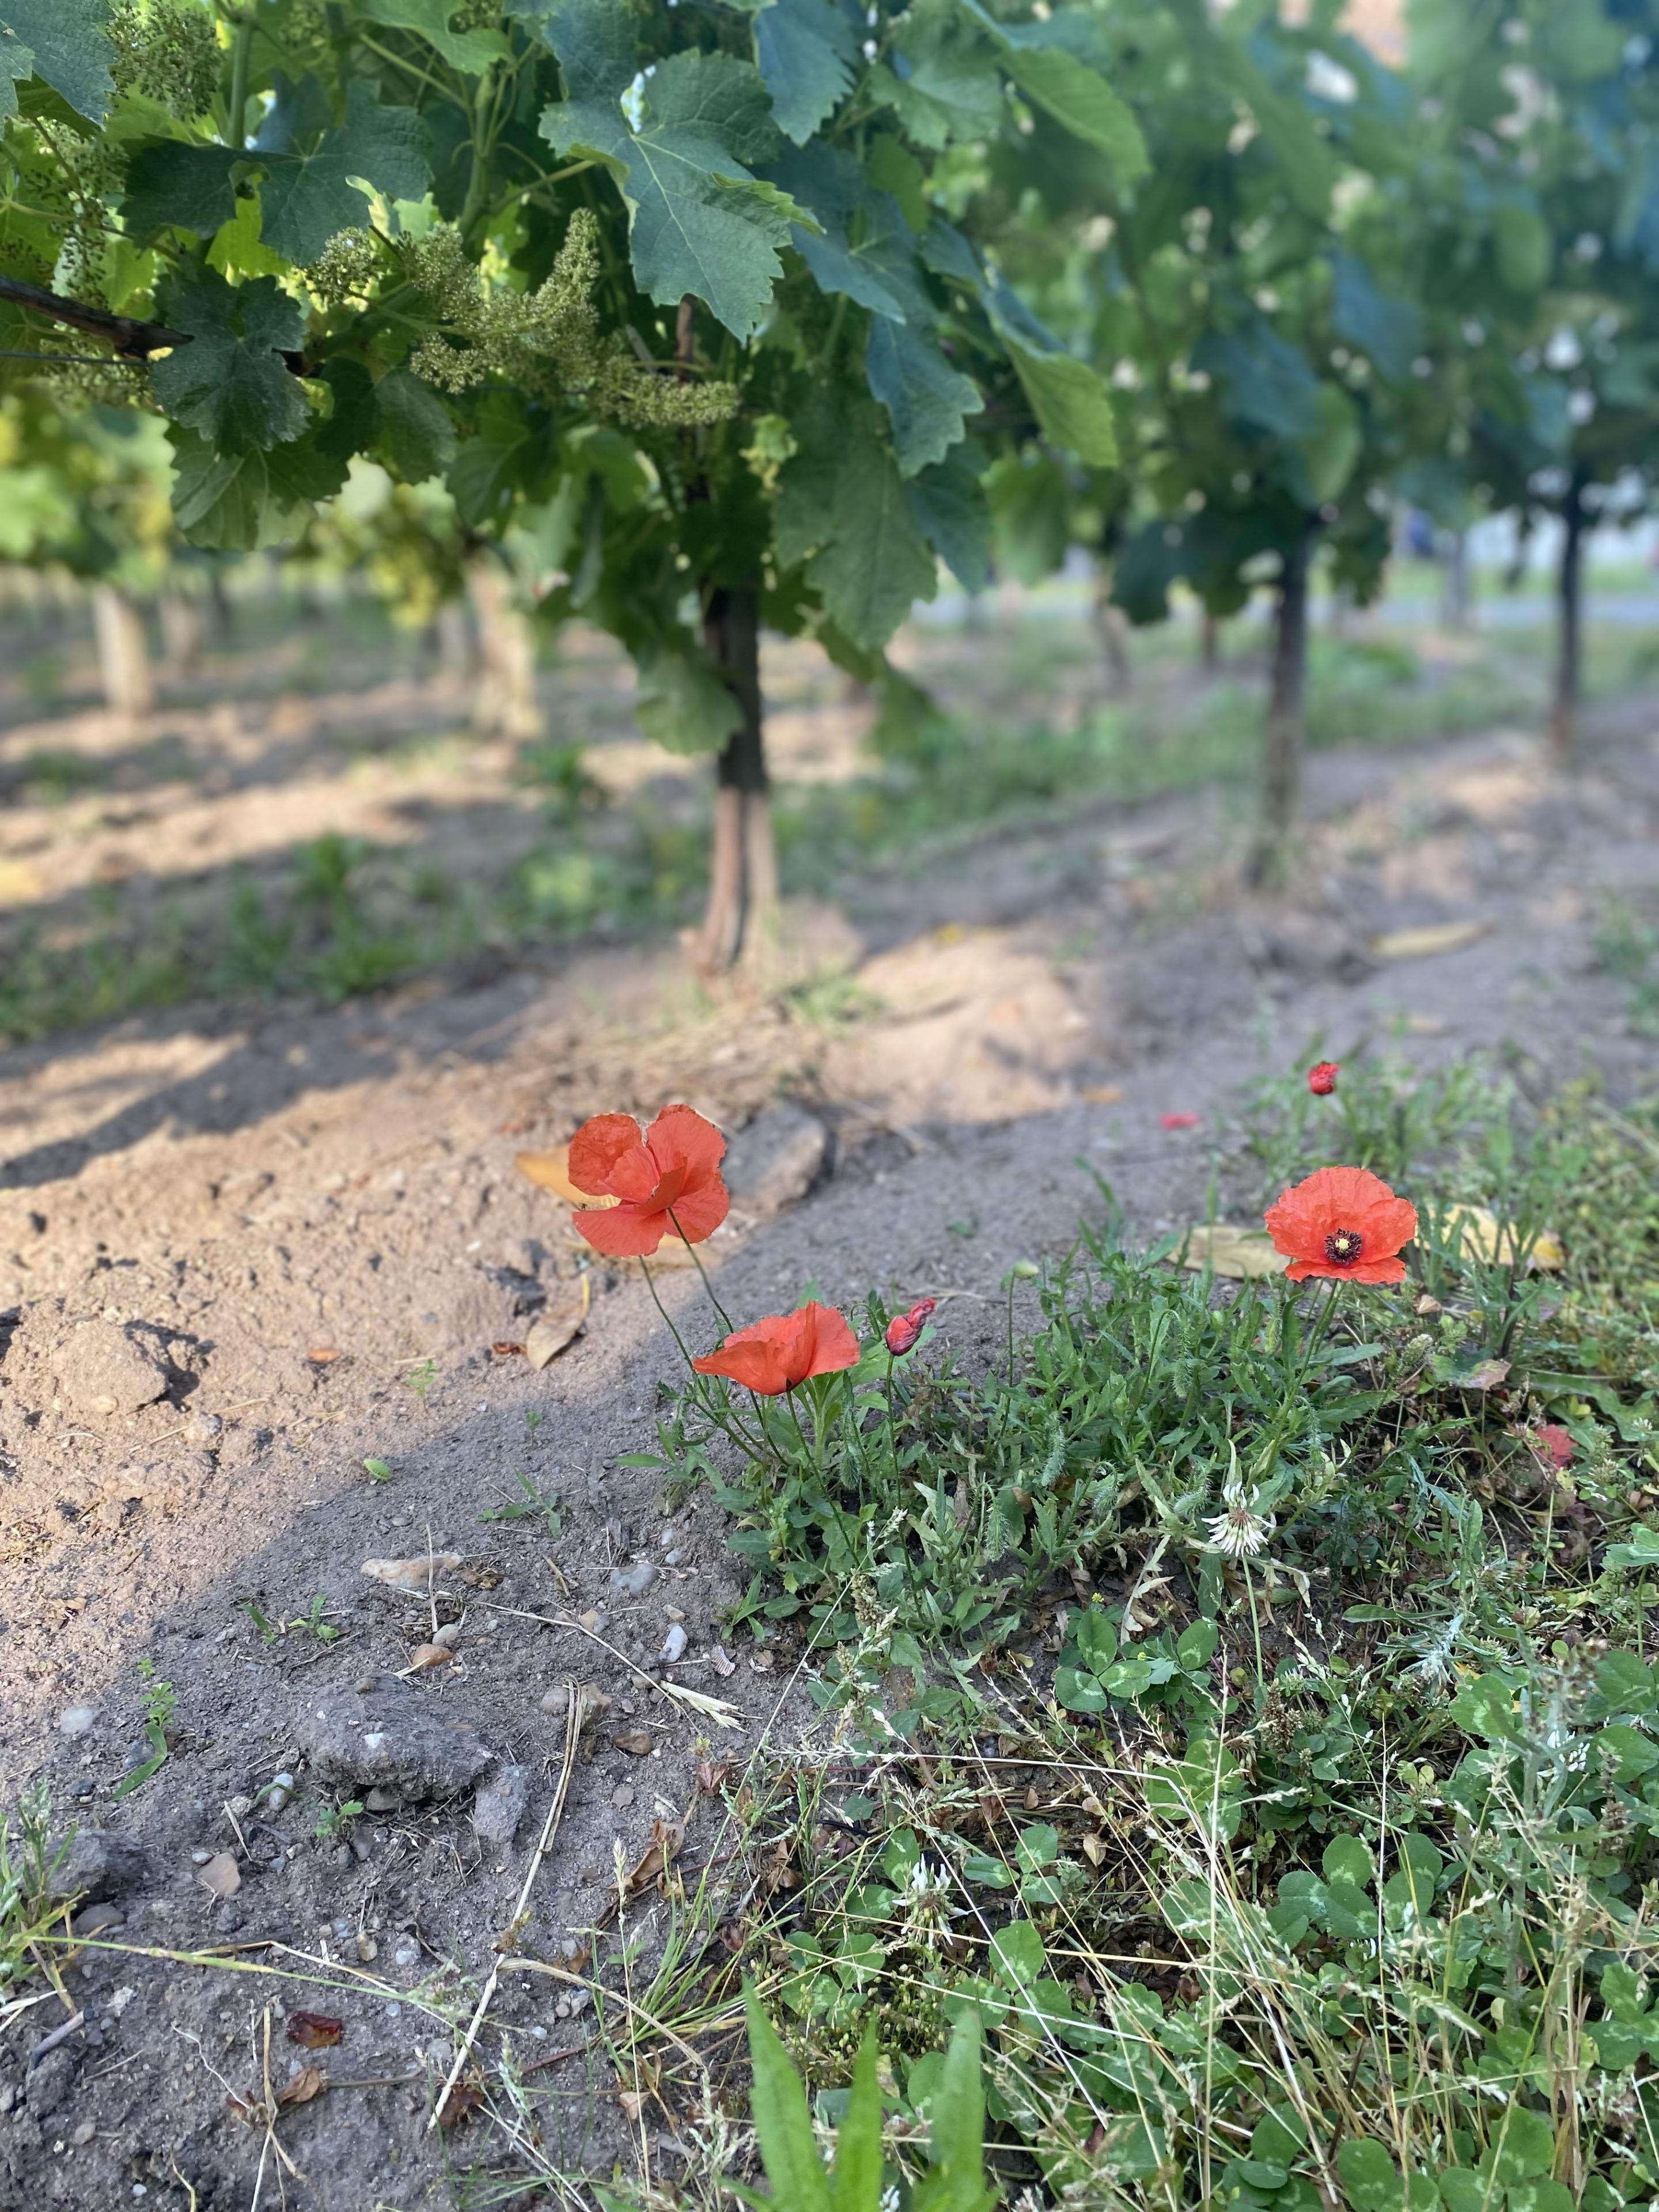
[1344, 1224]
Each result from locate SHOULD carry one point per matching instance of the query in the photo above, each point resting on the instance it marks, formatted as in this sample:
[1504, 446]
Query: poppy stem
[725, 1318]
[794, 1415]
[664, 1311]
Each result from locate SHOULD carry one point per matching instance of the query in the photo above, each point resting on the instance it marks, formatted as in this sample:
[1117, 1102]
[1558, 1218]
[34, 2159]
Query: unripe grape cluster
[170, 54]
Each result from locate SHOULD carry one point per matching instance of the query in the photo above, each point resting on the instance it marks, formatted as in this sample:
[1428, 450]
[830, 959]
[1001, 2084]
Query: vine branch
[134, 340]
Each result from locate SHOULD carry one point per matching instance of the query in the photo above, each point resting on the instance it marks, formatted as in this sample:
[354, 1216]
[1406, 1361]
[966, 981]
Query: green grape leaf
[68, 49]
[953, 514]
[310, 196]
[926, 399]
[16, 63]
[170, 185]
[1267, 379]
[876, 563]
[488, 467]
[230, 382]
[699, 221]
[805, 51]
[593, 40]
[1525, 249]
[417, 436]
[682, 703]
[471, 53]
[1076, 95]
[1069, 400]
[305, 473]
[946, 86]
[1387, 329]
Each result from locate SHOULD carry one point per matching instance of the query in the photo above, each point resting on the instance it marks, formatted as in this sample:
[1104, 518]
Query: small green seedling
[421, 1377]
[334, 1822]
[269, 1632]
[533, 1418]
[314, 1621]
[378, 1470]
[525, 1508]
[160, 1705]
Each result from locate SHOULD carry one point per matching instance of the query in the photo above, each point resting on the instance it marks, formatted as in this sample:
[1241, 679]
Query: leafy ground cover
[1244, 1689]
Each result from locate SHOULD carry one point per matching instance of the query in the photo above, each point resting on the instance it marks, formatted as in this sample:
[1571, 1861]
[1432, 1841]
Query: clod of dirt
[776, 1161]
[593, 1702]
[499, 1805]
[98, 1864]
[50, 2082]
[636, 1743]
[97, 1920]
[220, 1877]
[387, 1739]
[411, 1574]
[103, 1371]
[78, 1720]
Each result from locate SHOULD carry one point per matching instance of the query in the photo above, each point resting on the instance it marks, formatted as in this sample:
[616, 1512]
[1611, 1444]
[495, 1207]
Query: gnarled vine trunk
[1568, 586]
[741, 918]
[183, 625]
[1455, 594]
[504, 703]
[123, 651]
[1286, 714]
[1209, 642]
[1113, 630]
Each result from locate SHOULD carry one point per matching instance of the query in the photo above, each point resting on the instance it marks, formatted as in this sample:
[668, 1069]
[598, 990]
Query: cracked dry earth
[240, 1257]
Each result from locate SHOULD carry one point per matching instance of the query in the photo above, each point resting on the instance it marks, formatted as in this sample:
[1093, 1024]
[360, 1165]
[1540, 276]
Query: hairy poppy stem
[725, 1318]
[664, 1311]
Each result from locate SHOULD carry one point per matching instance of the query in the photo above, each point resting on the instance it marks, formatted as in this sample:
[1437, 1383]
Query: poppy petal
[832, 1344]
[623, 1232]
[681, 1138]
[757, 1367]
[699, 1211]
[596, 1149]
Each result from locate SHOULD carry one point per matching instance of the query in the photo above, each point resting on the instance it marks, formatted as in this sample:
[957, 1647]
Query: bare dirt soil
[242, 1254]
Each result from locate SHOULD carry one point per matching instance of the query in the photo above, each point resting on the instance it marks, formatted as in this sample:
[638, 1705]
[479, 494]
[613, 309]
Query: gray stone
[103, 1370]
[632, 1581]
[390, 1738]
[51, 2081]
[777, 1159]
[78, 1720]
[99, 1864]
[499, 1805]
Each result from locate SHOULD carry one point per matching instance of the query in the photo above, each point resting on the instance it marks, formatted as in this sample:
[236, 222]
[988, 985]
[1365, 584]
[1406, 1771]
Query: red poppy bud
[904, 1328]
[1177, 1121]
[1322, 1080]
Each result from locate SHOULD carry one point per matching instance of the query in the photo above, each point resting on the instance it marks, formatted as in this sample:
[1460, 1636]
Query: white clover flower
[1239, 1529]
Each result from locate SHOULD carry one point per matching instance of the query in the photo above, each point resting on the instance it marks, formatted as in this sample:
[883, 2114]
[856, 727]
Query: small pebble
[674, 1644]
[239, 1808]
[367, 1948]
[84, 2134]
[622, 1794]
[200, 1859]
[633, 1582]
[406, 1955]
[77, 1720]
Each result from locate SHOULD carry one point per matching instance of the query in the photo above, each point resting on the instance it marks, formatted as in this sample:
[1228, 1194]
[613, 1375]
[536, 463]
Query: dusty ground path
[239, 1258]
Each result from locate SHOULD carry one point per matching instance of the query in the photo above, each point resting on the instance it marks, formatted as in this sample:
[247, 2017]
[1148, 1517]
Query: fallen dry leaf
[220, 1877]
[632, 2102]
[504, 1351]
[315, 2030]
[411, 1574]
[463, 2101]
[666, 1836]
[636, 1743]
[555, 1327]
[711, 1776]
[1485, 1376]
[306, 2084]
[1420, 944]
[551, 1171]
[430, 1655]
[1482, 1239]
[1228, 1249]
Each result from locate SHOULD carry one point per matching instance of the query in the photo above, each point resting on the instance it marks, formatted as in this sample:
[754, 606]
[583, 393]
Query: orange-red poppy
[773, 1355]
[666, 1183]
[1343, 1223]
[904, 1329]
[1321, 1078]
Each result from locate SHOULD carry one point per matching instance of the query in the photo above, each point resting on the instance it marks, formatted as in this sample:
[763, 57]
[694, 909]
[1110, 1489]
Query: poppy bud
[904, 1328]
[1322, 1080]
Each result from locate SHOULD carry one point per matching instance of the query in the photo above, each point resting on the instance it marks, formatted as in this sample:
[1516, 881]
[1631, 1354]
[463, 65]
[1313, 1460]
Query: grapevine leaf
[487, 466]
[593, 40]
[943, 84]
[311, 470]
[1387, 329]
[1037, 57]
[1288, 129]
[218, 499]
[880, 271]
[952, 513]
[892, 167]
[925, 397]
[418, 439]
[698, 220]
[230, 383]
[471, 53]
[172, 184]
[877, 564]
[308, 196]
[806, 51]
[1267, 379]
[68, 50]
[16, 63]
[1071, 402]
[682, 703]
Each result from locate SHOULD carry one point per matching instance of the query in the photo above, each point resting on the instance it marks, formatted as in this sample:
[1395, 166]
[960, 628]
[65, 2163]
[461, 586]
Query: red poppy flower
[773, 1355]
[1177, 1121]
[1322, 1080]
[1343, 1223]
[673, 1169]
[904, 1328]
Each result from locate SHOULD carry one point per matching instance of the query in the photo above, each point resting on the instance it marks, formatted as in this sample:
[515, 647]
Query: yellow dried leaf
[1482, 1239]
[551, 1171]
[1421, 944]
[1228, 1249]
[555, 1326]
[411, 1574]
